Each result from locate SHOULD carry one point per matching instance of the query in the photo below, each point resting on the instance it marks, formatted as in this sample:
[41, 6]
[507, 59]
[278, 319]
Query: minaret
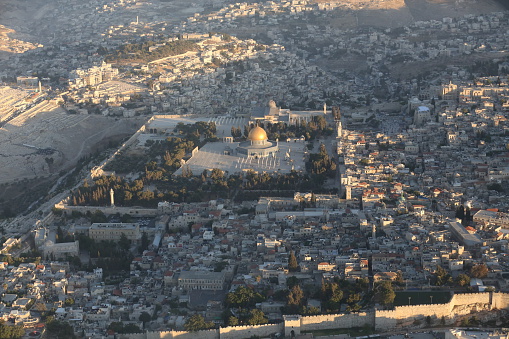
[112, 198]
[40, 87]
[324, 108]
[137, 20]
[373, 231]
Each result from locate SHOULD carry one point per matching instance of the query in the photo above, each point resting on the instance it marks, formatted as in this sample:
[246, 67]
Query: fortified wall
[381, 320]
[231, 332]
[460, 304]
[332, 321]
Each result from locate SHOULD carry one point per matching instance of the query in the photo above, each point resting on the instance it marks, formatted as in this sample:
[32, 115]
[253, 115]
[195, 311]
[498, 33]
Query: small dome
[272, 104]
[257, 134]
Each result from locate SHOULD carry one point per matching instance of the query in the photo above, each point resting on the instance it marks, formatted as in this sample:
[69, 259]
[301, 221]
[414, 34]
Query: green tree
[291, 282]
[131, 328]
[126, 218]
[59, 235]
[442, 277]
[124, 243]
[384, 294]
[353, 298]
[295, 296]
[243, 297]
[197, 323]
[462, 280]
[460, 212]
[256, 317]
[479, 271]
[145, 318]
[310, 310]
[144, 242]
[331, 296]
[119, 327]
[116, 326]
[233, 321]
[293, 266]
[353, 308]
[59, 329]
[8, 332]
[98, 216]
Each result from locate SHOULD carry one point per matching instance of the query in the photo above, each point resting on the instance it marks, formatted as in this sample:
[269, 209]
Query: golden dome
[257, 134]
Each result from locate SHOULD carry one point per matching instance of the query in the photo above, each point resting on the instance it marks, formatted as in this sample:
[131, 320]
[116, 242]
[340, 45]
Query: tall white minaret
[137, 20]
[112, 198]
[40, 87]
[324, 108]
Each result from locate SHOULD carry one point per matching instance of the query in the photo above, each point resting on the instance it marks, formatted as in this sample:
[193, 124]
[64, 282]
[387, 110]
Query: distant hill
[438, 9]
[503, 3]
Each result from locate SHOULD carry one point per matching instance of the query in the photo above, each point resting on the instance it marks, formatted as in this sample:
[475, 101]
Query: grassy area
[353, 332]
[419, 297]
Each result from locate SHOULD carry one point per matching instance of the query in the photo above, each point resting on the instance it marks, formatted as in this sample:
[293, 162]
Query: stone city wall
[406, 315]
[382, 320]
[241, 332]
[460, 304]
[209, 334]
[231, 332]
[331, 321]
[470, 298]
[500, 300]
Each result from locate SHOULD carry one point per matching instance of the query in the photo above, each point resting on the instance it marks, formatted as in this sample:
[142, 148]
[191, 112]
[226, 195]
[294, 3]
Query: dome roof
[257, 134]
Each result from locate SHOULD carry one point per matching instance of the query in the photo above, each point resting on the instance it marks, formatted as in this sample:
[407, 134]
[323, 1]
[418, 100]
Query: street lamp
[409, 298]
[431, 297]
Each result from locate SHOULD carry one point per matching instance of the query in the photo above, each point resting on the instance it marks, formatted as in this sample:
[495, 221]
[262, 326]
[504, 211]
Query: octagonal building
[258, 145]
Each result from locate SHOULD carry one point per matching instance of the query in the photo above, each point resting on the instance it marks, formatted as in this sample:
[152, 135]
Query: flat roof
[201, 275]
[467, 238]
[114, 225]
